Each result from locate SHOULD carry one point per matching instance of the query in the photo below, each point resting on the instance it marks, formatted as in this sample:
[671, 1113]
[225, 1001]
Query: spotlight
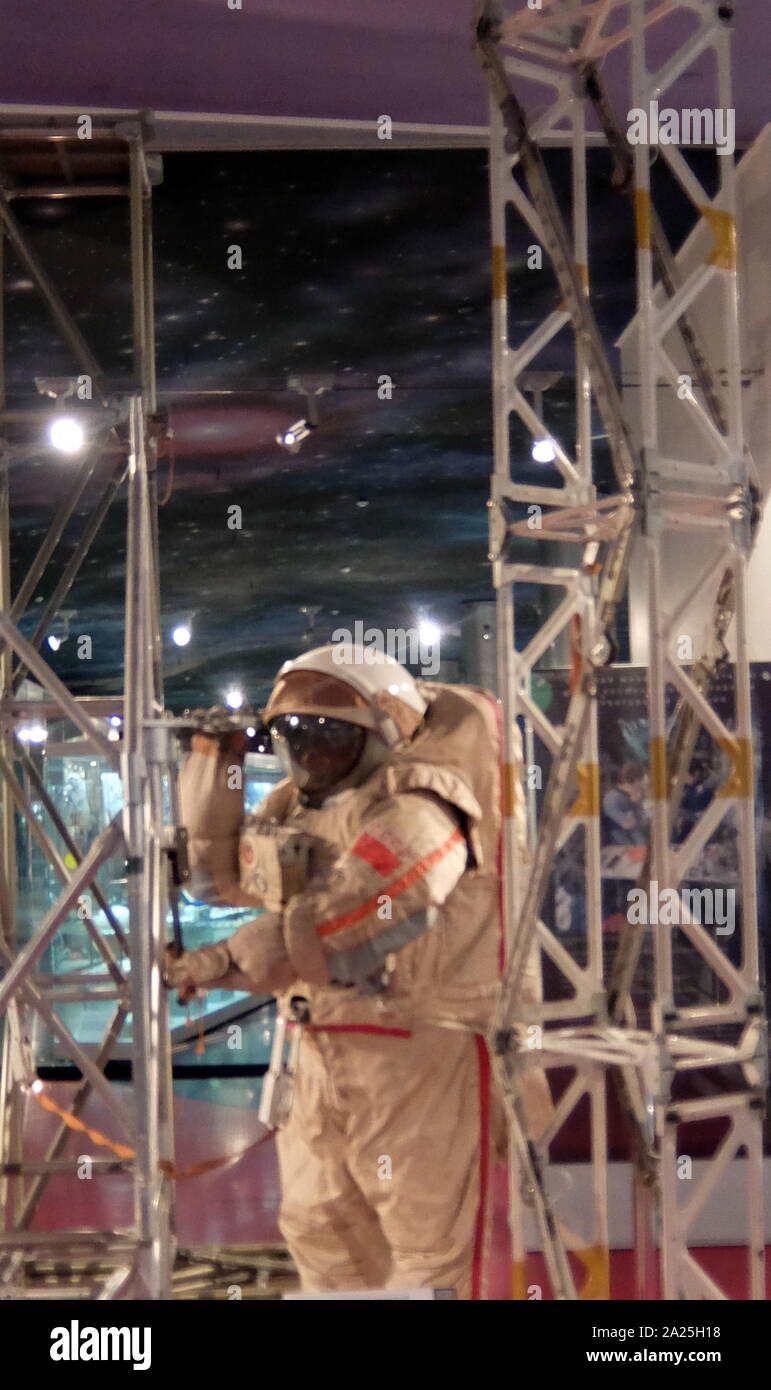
[116, 721]
[543, 451]
[251, 732]
[292, 438]
[180, 635]
[428, 633]
[310, 387]
[64, 432]
[58, 637]
[32, 733]
[66, 435]
[234, 698]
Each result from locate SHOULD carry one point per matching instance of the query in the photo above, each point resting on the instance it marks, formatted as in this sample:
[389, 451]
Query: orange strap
[73, 1122]
[122, 1151]
[400, 885]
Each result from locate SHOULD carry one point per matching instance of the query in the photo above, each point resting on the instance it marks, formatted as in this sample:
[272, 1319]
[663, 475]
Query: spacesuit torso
[402, 882]
[414, 844]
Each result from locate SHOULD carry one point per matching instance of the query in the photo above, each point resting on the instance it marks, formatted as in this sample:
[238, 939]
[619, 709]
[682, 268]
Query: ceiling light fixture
[310, 387]
[292, 438]
[59, 636]
[32, 733]
[543, 451]
[543, 448]
[428, 632]
[65, 433]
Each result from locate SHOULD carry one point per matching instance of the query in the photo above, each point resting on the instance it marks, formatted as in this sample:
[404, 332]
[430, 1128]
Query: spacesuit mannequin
[388, 955]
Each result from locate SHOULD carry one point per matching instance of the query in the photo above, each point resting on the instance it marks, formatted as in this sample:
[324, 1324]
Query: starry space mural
[355, 265]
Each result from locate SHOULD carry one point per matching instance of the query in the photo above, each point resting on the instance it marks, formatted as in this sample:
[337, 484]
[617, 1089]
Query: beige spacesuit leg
[334, 1236]
[420, 1149]
[386, 1169]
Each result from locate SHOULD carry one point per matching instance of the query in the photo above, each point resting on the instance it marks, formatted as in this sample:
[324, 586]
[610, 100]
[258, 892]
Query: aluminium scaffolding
[63, 158]
[594, 1033]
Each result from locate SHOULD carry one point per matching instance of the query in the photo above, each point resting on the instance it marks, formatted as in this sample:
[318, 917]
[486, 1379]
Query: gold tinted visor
[314, 692]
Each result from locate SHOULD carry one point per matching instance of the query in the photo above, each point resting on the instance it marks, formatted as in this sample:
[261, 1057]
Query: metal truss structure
[671, 1064]
[595, 1032]
[42, 159]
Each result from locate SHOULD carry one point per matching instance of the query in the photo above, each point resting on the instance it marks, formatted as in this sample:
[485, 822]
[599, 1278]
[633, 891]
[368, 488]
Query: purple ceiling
[345, 59]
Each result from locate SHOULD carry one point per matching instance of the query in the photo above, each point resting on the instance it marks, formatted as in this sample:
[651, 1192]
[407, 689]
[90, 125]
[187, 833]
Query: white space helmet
[359, 685]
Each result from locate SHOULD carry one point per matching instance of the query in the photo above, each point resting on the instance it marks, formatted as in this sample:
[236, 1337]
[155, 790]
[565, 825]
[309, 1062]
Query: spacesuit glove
[253, 959]
[234, 743]
[196, 969]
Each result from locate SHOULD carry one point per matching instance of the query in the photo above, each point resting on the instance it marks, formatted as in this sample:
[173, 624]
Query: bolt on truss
[135, 1262]
[594, 1031]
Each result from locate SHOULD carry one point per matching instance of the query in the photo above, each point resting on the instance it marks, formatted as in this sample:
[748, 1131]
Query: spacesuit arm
[253, 959]
[381, 894]
[212, 809]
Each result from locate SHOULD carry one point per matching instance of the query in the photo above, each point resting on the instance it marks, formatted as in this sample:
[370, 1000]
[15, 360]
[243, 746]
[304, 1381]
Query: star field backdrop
[355, 264]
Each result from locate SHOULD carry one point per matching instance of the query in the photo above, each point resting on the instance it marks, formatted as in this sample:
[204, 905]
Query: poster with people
[626, 807]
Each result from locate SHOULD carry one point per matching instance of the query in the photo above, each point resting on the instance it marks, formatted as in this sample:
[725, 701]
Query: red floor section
[240, 1202]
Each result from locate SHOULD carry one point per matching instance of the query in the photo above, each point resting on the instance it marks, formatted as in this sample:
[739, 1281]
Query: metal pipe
[35, 1189]
[50, 853]
[12, 1102]
[70, 190]
[68, 704]
[142, 881]
[74, 1051]
[42, 793]
[138, 266]
[71, 569]
[56, 306]
[39, 1167]
[55, 532]
[11, 1107]
[97, 706]
[102, 849]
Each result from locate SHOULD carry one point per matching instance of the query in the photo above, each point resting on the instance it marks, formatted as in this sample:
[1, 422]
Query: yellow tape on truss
[596, 1261]
[587, 803]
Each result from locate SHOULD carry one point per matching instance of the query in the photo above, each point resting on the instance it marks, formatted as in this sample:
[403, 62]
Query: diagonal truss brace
[563, 43]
